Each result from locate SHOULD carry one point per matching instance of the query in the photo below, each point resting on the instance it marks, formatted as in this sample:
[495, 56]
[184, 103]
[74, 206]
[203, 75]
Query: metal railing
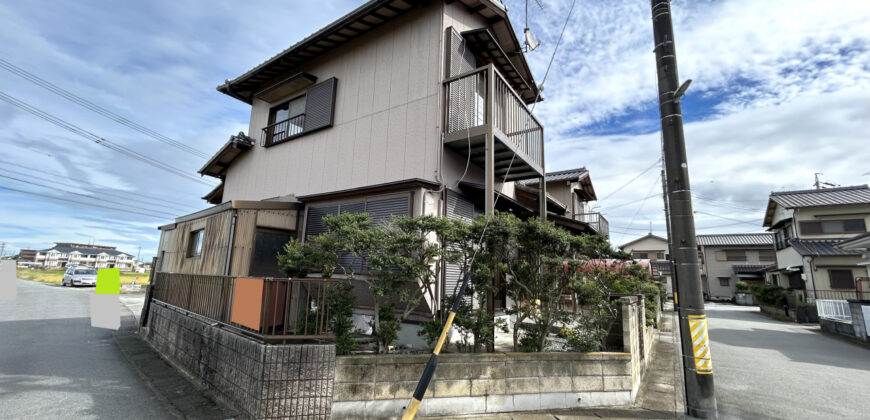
[837, 294]
[289, 309]
[468, 96]
[835, 310]
[595, 220]
[282, 130]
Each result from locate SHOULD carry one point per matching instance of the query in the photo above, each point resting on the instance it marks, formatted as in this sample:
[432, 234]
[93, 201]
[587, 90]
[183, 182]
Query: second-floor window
[640, 255]
[782, 237]
[194, 243]
[731, 255]
[824, 227]
[286, 120]
[766, 255]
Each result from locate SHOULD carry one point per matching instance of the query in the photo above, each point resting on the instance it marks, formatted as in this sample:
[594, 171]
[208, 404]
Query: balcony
[481, 104]
[596, 221]
[283, 130]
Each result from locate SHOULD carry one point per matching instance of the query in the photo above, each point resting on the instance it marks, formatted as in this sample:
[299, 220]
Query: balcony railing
[596, 221]
[282, 130]
[842, 294]
[284, 310]
[482, 103]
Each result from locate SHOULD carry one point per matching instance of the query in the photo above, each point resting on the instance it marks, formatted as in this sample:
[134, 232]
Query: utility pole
[697, 363]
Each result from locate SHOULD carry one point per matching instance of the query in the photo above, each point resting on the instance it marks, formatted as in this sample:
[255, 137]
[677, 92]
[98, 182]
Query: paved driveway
[778, 370]
[54, 365]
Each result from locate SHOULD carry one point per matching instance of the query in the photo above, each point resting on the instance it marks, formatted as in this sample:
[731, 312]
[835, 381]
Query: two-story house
[732, 257]
[400, 107]
[655, 249]
[64, 254]
[807, 226]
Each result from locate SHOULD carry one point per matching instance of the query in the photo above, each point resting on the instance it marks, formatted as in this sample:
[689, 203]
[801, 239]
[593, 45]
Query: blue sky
[776, 97]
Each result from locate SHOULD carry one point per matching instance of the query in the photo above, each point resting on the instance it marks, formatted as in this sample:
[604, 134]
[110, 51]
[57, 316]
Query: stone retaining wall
[264, 381]
[380, 386]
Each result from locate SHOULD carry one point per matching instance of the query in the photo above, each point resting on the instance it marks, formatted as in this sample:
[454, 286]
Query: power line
[30, 77]
[78, 194]
[632, 202]
[639, 208]
[52, 197]
[631, 180]
[97, 139]
[138, 196]
[754, 223]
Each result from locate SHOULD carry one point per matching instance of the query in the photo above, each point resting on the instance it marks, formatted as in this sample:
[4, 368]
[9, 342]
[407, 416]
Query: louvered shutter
[346, 259]
[458, 208]
[314, 223]
[320, 105]
[383, 210]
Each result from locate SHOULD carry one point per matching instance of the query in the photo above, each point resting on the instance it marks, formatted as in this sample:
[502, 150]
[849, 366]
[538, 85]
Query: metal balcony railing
[482, 103]
[288, 309]
[282, 130]
[596, 221]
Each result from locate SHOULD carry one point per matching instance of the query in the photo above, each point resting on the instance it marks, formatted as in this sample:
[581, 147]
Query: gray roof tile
[737, 239]
[857, 194]
[821, 248]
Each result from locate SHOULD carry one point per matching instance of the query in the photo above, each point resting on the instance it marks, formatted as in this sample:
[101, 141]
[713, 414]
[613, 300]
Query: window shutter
[841, 279]
[458, 208]
[383, 210]
[314, 224]
[721, 256]
[320, 105]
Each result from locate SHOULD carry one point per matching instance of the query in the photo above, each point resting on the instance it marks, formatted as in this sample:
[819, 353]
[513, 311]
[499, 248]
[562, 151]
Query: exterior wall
[817, 272]
[714, 269]
[830, 213]
[216, 241]
[781, 213]
[263, 381]
[387, 118]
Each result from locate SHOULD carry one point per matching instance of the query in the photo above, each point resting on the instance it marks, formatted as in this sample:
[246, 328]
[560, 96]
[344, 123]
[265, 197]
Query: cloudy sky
[778, 94]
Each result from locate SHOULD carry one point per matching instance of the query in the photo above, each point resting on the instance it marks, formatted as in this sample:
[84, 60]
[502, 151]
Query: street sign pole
[697, 363]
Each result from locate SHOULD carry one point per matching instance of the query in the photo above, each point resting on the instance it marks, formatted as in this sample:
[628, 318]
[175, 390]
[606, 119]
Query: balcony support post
[489, 141]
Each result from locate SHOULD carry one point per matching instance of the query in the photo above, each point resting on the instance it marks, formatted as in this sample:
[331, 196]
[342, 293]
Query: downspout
[812, 276]
[230, 244]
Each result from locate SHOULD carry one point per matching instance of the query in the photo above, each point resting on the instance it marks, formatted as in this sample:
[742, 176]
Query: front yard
[55, 276]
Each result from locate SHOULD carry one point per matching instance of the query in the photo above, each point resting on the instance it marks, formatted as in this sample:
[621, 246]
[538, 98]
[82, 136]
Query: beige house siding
[820, 266]
[387, 118]
[652, 245]
[830, 213]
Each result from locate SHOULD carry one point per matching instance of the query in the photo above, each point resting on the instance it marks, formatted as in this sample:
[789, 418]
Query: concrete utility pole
[697, 363]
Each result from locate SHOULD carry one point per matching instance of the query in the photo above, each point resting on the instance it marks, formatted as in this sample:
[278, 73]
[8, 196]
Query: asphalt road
[54, 365]
[767, 369]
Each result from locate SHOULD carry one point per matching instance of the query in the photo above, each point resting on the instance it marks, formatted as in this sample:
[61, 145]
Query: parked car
[78, 276]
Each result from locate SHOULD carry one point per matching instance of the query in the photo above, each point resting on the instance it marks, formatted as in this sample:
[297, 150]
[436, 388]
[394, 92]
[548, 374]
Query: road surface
[777, 370]
[54, 365]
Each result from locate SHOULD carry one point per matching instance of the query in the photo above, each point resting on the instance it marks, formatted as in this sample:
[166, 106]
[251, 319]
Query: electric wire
[52, 197]
[138, 197]
[101, 199]
[636, 177]
[640, 207]
[97, 139]
[30, 77]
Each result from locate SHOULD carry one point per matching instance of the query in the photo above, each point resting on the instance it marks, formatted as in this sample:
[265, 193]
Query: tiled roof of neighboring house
[87, 251]
[647, 236]
[566, 175]
[857, 194]
[751, 268]
[821, 248]
[737, 239]
[857, 241]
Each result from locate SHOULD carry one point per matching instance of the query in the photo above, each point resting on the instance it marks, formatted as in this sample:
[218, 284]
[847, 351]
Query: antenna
[819, 184]
[530, 42]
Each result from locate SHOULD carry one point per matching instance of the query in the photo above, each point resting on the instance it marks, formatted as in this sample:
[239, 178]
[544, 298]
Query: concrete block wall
[380, 386]
[264, 381]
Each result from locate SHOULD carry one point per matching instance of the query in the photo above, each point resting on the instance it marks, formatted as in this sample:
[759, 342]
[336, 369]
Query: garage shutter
[320, 105]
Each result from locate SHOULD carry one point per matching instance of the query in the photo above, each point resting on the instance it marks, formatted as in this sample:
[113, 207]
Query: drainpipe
[812, 277]
[230, 245]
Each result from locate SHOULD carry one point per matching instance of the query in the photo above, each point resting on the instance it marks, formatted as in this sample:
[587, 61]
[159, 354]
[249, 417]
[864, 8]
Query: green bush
[341, 301]
[769, 294]
[741, 286]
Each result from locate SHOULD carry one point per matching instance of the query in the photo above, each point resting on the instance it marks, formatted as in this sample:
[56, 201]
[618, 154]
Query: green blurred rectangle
[109, 281]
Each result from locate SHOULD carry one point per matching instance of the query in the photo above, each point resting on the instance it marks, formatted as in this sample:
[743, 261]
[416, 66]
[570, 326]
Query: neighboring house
[572, 190]
[27, 255]
[63, 254]
[860, 243]
[808, 226]
[655, 249]
[732, 257]
[399, 108]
